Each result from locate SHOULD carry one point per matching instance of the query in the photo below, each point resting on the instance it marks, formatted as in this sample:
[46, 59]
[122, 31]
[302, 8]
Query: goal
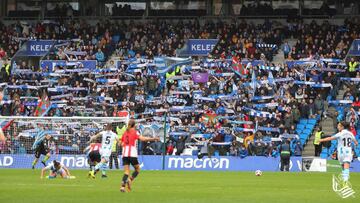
[69, 137]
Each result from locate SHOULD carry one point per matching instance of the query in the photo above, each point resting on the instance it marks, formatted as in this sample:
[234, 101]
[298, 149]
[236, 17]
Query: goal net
[69, 138]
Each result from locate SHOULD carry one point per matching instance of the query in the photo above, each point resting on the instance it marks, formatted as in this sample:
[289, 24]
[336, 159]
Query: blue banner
[89, 64]
[38, 47]
[200, 47]
[223, 163]
[355, 48]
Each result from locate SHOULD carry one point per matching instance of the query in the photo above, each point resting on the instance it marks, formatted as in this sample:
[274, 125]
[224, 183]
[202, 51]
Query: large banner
[38, 47]
[190, 163]
[90, 64]
[355, 48]
[218, 163]
[200, 47]
[229, 163]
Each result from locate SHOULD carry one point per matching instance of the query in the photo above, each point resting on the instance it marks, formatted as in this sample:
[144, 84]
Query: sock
[34, 162]
[134, 174]
[346, 174]
[124, 180]
[97, 166]
[45, 159]
[103, 168]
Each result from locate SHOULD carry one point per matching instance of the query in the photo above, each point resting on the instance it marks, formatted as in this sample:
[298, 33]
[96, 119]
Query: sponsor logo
[6, 161]
[202, 47]
[194, 163]
[40, 48]
[74, 162]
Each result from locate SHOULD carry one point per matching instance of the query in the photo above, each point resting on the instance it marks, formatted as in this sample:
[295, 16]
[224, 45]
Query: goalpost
[69, 138]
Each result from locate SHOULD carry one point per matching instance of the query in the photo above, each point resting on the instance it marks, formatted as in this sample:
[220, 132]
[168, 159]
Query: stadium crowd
[242, 109]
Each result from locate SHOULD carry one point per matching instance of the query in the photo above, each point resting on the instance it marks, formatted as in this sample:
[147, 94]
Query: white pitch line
[60, 185]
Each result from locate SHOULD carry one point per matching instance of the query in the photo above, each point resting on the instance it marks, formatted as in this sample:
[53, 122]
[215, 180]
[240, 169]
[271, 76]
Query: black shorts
[130, 160]
[94, 156]
[41, 151]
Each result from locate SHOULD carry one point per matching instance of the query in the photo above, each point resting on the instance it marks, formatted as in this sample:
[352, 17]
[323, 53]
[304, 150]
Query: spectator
[243, 152]
[100, 56]
[298, 149]
[180, 144]
[286, 49]
[2, 53]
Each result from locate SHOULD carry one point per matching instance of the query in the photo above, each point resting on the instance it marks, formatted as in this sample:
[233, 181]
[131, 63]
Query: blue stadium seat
[303, 136]
[298, 131]
[310, 126]
[303, 121]
[312, 121]
[307, 131]
[216, 153]
[300, 126]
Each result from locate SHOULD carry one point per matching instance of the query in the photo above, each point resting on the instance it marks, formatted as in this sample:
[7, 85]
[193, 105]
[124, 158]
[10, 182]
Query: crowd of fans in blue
[246, 108]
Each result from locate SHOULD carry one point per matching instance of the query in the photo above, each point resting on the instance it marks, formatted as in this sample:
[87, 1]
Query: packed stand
[75, 40]
[323, 40]
[240, 109]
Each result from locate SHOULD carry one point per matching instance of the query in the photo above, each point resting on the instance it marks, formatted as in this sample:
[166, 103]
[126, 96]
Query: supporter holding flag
[238, 67]
[43, 104]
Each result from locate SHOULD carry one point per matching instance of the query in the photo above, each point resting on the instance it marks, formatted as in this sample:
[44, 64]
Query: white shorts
[345, 154]
[105, 154]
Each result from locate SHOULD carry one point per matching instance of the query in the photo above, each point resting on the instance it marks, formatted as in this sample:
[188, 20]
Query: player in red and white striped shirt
[93, 154]
[129, 153]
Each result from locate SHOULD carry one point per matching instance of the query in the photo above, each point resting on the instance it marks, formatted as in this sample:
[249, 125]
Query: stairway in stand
[327, 127]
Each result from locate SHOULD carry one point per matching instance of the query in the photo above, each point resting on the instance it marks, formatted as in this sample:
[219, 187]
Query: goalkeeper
[41, 147]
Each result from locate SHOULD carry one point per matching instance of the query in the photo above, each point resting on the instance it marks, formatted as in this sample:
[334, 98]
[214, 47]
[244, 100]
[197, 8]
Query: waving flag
[253, 81]
[271, 79]
[43, 105]
[238, 67]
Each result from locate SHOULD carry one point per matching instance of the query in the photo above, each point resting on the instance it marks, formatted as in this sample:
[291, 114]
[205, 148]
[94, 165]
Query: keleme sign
[200, 47]
[38, 47]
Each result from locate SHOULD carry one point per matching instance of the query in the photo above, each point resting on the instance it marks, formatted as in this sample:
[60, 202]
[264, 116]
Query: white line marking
[58, 185]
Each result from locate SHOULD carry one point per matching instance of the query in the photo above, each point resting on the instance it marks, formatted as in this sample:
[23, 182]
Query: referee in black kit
[285, 154]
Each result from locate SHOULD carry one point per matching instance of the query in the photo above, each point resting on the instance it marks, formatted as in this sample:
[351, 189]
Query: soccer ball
[258, 173]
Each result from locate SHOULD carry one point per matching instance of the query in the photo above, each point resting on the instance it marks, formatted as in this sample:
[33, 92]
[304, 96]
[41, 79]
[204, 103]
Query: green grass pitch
[173, 186]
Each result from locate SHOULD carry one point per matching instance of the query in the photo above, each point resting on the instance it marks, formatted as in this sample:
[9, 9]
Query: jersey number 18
[347, 142]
